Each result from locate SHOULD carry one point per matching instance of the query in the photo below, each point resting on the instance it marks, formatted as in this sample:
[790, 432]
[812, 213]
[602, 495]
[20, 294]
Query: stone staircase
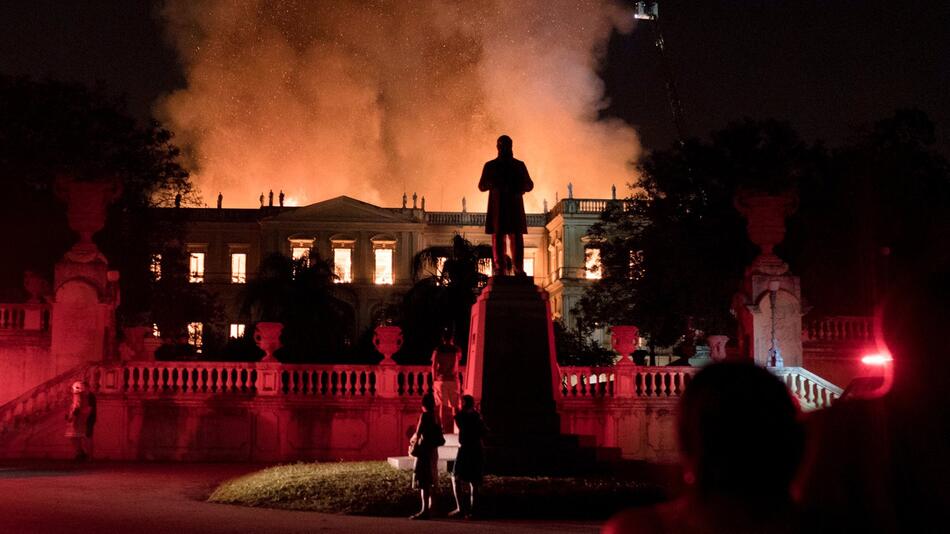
[33, 424]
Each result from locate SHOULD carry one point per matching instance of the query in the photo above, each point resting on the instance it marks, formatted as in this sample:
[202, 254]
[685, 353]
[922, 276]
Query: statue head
[504, 145]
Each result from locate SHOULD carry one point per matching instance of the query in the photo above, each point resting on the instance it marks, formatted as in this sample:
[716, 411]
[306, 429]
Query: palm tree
[441, 298]
[317, 325]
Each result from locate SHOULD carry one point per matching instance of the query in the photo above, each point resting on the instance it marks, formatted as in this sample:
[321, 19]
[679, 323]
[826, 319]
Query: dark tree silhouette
[674, 253]
[47, 128]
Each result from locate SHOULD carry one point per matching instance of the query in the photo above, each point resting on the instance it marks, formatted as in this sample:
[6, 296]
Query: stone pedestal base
[512, 373]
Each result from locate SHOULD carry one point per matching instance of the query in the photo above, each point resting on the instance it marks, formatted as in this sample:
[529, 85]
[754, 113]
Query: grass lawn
[375, 488]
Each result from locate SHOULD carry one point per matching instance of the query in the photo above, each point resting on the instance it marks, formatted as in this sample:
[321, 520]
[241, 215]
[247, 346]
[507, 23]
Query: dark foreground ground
[41, 497]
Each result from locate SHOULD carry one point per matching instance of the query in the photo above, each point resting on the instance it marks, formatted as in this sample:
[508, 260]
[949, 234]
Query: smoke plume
[370, 99]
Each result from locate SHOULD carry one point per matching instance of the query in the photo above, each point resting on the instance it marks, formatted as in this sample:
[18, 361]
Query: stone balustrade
[636, 382]
[624, 381]
[54, 394]
[27, 316]
[462, 218]
[836, 329]
[260, 378]
[811, 391]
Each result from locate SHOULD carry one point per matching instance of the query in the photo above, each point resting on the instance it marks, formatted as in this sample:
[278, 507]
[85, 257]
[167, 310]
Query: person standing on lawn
[468, 463]
[424, 445]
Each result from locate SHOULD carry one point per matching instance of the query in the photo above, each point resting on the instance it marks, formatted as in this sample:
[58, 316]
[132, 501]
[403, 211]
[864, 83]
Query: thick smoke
[374, 98]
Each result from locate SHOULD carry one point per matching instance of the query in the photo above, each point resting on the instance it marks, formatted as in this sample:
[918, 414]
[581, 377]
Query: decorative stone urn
[717, 347]
[625, 340]
[765, 221]
[387, 340]
[267, 337]
[86, 204]
[36, 286]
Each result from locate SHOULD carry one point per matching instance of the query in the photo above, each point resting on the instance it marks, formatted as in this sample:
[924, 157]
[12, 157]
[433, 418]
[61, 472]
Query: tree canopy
[51, 128]
[673, 254]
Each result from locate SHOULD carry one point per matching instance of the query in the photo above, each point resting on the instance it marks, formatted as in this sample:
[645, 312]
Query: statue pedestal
[512, 373]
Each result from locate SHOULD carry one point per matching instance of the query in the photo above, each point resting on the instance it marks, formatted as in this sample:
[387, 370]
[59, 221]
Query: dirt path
[118, 498]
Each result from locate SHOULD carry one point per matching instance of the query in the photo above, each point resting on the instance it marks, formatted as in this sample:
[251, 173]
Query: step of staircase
[447, 455]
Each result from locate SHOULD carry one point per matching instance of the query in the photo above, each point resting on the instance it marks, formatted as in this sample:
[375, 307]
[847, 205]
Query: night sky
[826, 66]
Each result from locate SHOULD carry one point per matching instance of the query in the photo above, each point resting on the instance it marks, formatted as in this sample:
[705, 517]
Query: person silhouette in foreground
[468, 462]
[740, 446]
[882, 463]
[445, 379]
[506, 179]
[424, 445]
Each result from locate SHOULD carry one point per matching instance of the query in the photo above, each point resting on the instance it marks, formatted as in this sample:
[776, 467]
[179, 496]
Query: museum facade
[371, 249]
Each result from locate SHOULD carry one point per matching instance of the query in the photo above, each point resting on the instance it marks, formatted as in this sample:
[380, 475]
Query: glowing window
[343, 265]
[194, 335]
[529, 255]
[300, 248]
[238, 268]
[237, 331]
[384, 266]
[592, 270]
[485, 266]
[529, 266]
[196, 267]
[155, 266]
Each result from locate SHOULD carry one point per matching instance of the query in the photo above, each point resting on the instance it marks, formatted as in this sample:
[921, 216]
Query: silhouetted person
[880, 464]
[506, 179]
[81, 419]
[469, 461]
[280, 198]
[445, 380]
[270, 199]
[220, 200]
[178, 200]
[426, 442]
[740, 446]
[262, 200]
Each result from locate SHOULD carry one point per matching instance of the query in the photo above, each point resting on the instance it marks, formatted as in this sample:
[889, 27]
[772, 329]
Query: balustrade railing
[459, 218]
[585, 206]
[186, 377]
[811, 391]
[840, 328]
[26, 316]
[624, 381]
[54, 394]
[329, 381]
[229, 378]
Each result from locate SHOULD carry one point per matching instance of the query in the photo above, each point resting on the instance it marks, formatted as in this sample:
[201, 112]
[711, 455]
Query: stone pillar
[84, 292]
[767, 281]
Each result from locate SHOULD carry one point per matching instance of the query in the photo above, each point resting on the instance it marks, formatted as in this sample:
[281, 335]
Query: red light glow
[877, 359]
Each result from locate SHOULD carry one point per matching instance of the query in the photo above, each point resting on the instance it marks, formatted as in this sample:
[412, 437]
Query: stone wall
[25, 361]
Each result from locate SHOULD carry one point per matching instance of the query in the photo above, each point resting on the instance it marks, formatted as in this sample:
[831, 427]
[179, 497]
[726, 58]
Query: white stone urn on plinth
[625, 339]
[717, 347]
[267, 337]
[387, 340]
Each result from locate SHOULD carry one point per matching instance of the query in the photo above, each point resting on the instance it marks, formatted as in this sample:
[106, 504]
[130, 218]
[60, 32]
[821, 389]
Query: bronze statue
[506, 179]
